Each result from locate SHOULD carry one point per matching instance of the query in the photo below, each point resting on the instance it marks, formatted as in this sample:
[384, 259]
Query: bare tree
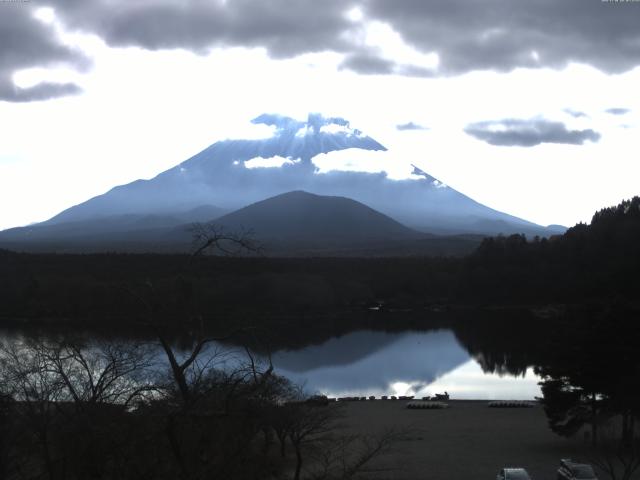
[352, 456]
[209, 237]
[98, 372]
[309, 425]
[6, 409]
[26, 379]
[325, 450]
[196, 385]
[617, 453]
[68, 396]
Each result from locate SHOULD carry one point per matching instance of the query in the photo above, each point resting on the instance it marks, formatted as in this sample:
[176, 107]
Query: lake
[416, 363]
[367, 362]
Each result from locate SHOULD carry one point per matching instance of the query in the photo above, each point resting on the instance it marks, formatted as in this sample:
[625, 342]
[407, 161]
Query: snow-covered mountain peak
[314, 125]
[234, 173]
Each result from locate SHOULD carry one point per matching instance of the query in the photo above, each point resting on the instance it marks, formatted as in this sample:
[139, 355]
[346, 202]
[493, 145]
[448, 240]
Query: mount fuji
[232, 174]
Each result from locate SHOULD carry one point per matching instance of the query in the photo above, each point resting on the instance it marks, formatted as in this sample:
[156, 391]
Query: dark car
[513, 474]
[570, 470]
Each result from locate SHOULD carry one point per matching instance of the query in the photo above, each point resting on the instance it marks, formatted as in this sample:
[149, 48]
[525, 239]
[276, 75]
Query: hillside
[234, 173]
[305, 217]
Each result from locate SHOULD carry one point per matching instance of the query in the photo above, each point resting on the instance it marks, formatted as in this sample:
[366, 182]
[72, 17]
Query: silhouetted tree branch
[616, 456]
[209, 237]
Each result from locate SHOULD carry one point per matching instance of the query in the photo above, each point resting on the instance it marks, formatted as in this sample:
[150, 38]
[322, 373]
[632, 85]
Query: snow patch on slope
[272, 162]
[359, 160]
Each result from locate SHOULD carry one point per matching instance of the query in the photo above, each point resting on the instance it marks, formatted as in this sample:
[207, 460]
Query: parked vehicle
[513, 474]
[570, 470]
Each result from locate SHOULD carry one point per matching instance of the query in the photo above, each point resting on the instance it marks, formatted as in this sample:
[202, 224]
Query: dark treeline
[587, 357]
[590, 263]
[104, 289]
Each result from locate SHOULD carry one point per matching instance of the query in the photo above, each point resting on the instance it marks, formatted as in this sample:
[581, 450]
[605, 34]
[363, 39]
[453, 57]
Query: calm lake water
[367, 363]
[364, 363]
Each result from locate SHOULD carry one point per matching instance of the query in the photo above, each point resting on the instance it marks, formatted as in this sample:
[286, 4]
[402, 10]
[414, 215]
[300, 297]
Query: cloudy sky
[530, 107]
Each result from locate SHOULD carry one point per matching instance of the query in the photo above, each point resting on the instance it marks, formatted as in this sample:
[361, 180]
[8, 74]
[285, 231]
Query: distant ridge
[295, 224]
[305, 217]
[231, 174]
[107, 228]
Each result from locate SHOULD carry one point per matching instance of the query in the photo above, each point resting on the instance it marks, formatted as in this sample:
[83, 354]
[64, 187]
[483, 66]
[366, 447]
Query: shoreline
[403, 399]
[466, 440]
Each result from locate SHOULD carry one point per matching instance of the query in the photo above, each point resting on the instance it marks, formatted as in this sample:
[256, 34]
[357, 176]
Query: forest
[86, 404]
[595, 263]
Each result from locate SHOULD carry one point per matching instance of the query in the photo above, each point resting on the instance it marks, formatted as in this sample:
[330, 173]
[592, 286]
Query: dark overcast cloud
[24, 43]
[410, 126]
[617, 111]
[502, 34]
[528, 133]
[492, 34]
[365, 63]
[284, 27]
[467, 35]
[369, 62]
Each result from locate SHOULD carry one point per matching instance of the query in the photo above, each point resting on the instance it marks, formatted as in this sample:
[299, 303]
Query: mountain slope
[232, 174]
[222, 175]
[292, 224]
[218, 175]
[305, 217]
[110, 227]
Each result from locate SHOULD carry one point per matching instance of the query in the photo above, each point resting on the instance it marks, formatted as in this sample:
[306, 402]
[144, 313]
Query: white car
[513, 474]
[569, 470]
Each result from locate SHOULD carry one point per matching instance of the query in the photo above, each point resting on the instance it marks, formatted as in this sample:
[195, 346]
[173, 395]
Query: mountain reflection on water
[365, 362]
[377, 363]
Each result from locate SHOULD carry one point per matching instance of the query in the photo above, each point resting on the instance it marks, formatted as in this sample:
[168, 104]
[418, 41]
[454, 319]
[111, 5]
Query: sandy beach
[466, 440]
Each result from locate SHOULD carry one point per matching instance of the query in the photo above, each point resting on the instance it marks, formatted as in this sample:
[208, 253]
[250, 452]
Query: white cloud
[271, 162]
[304, 131]
[334, 128]
[144, 112]
[355, 14]
[358, 160]
[45, 15]
[381, 37]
